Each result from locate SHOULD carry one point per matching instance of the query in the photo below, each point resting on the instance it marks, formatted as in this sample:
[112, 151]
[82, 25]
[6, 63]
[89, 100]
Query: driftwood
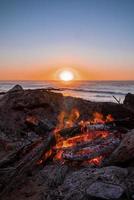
[92, 152]
[13, 174]
[118, 101]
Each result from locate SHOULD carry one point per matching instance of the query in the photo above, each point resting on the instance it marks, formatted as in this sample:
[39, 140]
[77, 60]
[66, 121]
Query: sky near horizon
[93, 38]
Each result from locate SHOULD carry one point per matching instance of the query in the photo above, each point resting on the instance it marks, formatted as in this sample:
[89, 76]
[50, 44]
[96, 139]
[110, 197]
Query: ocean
[100, 91]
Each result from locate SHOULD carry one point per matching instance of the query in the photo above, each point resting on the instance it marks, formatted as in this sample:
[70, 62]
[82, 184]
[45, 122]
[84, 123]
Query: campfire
[68, 141]
[83, 142]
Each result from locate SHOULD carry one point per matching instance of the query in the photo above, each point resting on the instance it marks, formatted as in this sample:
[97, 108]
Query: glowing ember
[59, 155]
[96, 160]
[83, 138]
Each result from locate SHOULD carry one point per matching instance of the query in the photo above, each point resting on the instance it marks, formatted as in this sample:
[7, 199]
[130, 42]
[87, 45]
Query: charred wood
[103, 149]
[70, 132]
[21, 166]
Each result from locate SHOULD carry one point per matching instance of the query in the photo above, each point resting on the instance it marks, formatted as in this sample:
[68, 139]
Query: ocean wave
[94, 91]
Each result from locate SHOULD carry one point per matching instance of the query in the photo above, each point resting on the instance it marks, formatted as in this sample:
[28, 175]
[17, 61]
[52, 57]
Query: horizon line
[69, 81]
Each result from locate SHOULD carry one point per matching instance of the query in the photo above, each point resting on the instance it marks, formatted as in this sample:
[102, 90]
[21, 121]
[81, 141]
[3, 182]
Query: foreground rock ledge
[59, 181]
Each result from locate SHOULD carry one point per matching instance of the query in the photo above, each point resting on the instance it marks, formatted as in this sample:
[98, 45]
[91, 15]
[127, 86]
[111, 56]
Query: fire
[98, 118]
[58, 156]
[109, 118]
[84, 136]
[66, 120]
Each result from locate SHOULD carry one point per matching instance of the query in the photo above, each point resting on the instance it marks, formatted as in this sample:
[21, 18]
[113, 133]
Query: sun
[66, 76]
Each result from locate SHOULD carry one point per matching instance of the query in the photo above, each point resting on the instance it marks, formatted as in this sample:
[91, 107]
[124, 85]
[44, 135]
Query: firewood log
[70, 132]
[94, 141]
[113, 125]
[105, 148]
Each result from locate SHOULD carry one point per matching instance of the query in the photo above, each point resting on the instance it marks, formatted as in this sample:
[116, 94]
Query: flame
[66, 120]
[109, 118]
[98, 118]
[85, 137]
[69, 119]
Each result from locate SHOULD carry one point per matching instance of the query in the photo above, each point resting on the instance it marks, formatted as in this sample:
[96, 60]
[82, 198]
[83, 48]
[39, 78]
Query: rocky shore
[28, 115]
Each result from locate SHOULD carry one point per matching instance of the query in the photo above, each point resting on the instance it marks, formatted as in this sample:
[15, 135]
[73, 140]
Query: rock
[2, 93]
[104, 191]
[79, 182]
[15, 107]
[16, 88]
[125, 151]
[130, 181]
[129, 100]
[37, 126]
[77, 195]
[30, 192]
[17, 104]
[32, 136]
[54, 175]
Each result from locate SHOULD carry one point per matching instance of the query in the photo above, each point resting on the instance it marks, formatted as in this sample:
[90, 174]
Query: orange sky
[95, 39]
[52, 72]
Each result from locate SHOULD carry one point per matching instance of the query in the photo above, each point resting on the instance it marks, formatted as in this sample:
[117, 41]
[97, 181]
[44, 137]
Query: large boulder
[18, 106]
[84, 183]
[16, 88]
[129, 100]
[125, 151]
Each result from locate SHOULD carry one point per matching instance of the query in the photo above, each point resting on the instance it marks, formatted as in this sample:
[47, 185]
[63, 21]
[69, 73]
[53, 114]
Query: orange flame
[66, 120]
[98, 118]
[109, 118]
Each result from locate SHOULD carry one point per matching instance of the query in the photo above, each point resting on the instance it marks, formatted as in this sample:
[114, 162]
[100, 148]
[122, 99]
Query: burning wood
[89, 153]
[89, 140]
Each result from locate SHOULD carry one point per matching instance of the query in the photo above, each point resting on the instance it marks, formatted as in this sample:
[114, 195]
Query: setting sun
[66, 76]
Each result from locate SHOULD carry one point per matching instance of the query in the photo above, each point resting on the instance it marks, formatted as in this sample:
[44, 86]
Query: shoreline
[89, 90]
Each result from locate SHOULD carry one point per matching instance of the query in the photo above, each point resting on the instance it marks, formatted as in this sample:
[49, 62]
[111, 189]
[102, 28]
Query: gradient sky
[94, 38]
